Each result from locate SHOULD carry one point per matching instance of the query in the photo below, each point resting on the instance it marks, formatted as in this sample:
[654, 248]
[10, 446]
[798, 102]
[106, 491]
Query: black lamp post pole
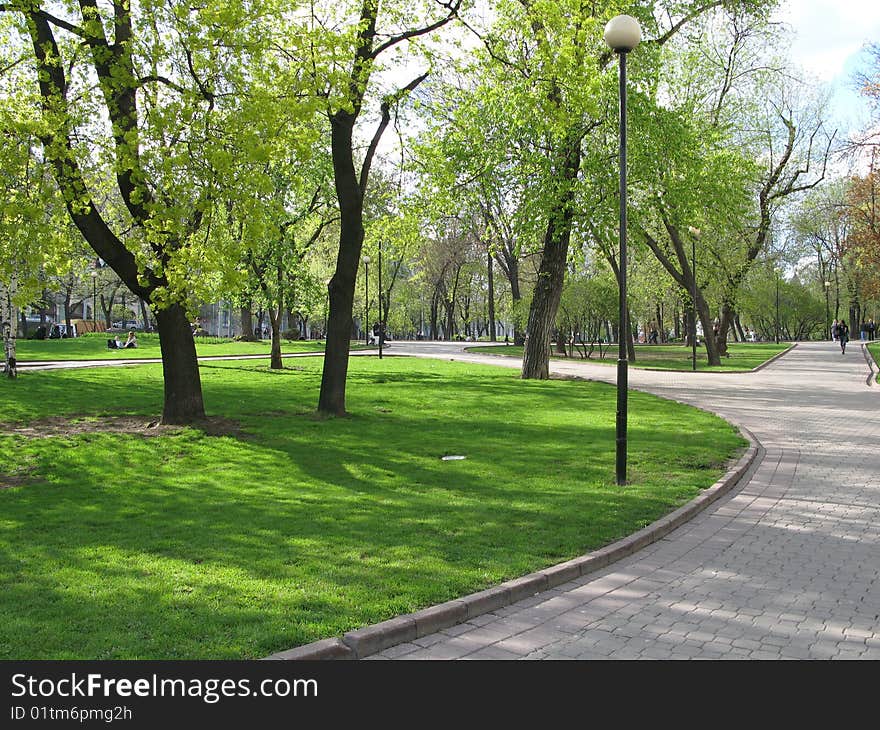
[381, 317]
[694, 305]
[623, 330]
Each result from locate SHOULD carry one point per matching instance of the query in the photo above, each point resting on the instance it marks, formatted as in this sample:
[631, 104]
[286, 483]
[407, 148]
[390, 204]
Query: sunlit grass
[186, 545]
[93, 346]
[743, 356]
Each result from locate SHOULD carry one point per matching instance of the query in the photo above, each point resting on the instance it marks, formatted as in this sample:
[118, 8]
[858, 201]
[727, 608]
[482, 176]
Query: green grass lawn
[93, 346]
[874, 349]
[743, 356]
[295, 528]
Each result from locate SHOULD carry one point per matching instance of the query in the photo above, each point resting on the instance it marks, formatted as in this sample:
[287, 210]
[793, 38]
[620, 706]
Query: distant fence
[88, 325]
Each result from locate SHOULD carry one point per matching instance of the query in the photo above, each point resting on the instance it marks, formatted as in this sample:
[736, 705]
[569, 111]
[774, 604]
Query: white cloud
[829, 38]
[829, 34]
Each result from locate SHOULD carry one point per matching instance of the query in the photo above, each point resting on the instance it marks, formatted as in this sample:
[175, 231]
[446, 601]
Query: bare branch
[143, 81]
[383, 124]
[42, 14]
[452, 8]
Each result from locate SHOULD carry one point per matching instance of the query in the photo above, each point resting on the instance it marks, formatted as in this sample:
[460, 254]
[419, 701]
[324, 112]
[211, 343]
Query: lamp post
[381, 317]
[94, 276]
[366, 300]
[695, 234]
[622, 34]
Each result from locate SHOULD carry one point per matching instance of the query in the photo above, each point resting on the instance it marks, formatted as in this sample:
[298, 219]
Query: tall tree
[545, 65]
[346, 95]
[756, 141]
[165, 75]
[29, 219]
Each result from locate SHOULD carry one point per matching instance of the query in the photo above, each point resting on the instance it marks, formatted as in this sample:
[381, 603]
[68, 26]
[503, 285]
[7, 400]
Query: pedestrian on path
[843, 335]
[834, 325]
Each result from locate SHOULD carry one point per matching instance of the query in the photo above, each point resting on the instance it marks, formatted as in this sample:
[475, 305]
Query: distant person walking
[842, 335]
[871, 328]
[834, 327]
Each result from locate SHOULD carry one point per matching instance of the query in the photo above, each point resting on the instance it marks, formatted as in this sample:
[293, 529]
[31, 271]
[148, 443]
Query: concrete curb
[774, 358]
[665, 370]
[369, 640]
[869, 358]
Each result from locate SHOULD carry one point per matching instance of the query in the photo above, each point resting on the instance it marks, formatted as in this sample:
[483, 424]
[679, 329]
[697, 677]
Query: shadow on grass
[188, 546]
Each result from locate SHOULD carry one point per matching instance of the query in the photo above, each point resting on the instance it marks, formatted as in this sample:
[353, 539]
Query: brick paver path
[785, 567]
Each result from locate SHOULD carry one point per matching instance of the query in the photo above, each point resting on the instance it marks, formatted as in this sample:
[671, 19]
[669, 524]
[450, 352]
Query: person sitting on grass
[131, 341]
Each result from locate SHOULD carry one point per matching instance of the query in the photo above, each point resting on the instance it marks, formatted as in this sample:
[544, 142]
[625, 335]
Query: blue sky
[830, 36]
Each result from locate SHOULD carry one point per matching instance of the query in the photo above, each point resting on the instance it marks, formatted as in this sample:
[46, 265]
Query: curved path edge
[636, 366]
[375, 638]
[872, 363]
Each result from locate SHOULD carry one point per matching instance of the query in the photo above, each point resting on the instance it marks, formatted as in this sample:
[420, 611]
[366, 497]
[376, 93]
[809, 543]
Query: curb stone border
[774, 358]
[872, 363]
[763, 365]
[372, 639]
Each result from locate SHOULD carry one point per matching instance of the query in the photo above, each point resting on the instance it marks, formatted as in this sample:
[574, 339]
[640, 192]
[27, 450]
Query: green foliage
[801, 311]
[588, 302]
[93, 346]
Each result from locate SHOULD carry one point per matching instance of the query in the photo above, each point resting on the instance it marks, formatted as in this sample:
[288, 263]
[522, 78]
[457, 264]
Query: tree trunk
[145, 315]
[510, 266]
[183, 398]
[551, 273]
[434, 317]
[275, 361]
[247, 324]
[545, 302]
[331, 400]
[44, 298]
[727, 316]
[449, 307]
[739, 328]
[8, 324]
[561, 342]
[180, 367]
[491, 276]
[712, 355]
[689, 327]
[67, 296]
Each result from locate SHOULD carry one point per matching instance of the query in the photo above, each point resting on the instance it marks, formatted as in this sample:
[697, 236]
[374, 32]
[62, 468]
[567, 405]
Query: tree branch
[452, 7]
[144, 80]
[383, 124]
[43, 15]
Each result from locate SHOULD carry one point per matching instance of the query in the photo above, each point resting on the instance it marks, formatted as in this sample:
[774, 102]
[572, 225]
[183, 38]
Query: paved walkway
[784, 567]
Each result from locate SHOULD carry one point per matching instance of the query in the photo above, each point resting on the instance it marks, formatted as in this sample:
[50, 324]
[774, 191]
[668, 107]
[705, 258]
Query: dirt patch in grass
[7, 481]
[139, 425]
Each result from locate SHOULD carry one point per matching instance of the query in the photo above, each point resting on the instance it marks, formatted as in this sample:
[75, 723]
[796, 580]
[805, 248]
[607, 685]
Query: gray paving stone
[783, 567]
